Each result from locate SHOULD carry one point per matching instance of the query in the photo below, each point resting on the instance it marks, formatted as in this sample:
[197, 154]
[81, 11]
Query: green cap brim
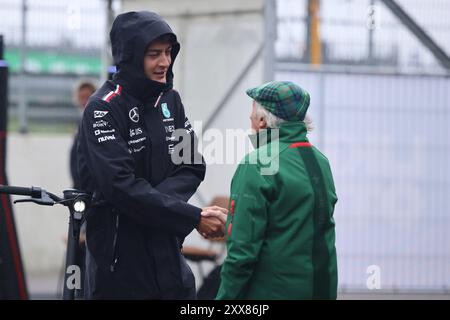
[252, 93]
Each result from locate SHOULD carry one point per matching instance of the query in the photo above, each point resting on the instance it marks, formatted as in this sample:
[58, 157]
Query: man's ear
[262, 123]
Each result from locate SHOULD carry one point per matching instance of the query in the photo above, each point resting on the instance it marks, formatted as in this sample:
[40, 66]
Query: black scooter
[78, 203]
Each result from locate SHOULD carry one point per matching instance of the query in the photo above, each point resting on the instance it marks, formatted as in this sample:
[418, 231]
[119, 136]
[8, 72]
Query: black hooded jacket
[140, 216]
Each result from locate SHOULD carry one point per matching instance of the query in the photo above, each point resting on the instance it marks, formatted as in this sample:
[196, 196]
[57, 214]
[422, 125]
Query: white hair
[273, 121]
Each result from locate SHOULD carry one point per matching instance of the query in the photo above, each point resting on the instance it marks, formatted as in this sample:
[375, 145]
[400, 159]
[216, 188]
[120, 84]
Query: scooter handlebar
[21, 191]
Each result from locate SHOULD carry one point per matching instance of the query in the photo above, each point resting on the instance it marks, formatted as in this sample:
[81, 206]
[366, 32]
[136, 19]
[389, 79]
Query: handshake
[212, 222]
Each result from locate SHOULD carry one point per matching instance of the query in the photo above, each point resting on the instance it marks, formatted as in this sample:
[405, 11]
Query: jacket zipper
[157, 100]
[115, 253]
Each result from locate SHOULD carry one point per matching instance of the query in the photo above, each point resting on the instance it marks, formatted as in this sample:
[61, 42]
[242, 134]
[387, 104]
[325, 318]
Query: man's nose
[164, 61]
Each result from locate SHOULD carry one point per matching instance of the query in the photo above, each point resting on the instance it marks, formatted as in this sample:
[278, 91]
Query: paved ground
[43, 286]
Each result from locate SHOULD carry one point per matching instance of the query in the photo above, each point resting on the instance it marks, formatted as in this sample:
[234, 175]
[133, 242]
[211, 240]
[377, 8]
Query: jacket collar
[288, 132]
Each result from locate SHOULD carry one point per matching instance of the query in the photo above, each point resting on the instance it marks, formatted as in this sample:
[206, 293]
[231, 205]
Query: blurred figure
[81, 93]
[281, 238]
[83, 90]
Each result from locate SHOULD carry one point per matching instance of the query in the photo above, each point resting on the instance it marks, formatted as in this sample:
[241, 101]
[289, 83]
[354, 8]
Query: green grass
[38, 127]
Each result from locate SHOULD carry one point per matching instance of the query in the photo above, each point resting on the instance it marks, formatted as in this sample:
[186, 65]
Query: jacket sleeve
[246, 226]
[112, 168]
[74, 164]
[186, 176]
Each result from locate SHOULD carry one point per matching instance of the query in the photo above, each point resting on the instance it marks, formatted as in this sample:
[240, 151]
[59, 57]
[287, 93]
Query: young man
[140, 215]
[280, 224]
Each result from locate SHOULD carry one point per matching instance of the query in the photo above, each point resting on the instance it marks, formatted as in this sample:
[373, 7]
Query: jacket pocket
[115, 250]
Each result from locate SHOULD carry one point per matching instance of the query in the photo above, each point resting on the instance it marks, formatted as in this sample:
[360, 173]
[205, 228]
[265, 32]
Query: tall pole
[270, 36]
[314, 46]
[106, 56]
[371, 27]
[23, 125]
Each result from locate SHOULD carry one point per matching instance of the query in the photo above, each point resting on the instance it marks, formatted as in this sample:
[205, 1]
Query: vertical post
[270, 36]
[106, 57]
[315, 50]
[371, 28]
[23, 125]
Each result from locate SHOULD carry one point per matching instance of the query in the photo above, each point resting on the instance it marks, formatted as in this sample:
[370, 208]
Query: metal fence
[363, 32]
[59, 25]
[61, 42]
[383, 124]
[387, 138]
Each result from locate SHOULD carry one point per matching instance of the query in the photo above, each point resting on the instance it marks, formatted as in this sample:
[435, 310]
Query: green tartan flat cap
[284, 99]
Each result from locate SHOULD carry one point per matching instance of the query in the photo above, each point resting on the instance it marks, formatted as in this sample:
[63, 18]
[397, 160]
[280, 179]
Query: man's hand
[212, 222]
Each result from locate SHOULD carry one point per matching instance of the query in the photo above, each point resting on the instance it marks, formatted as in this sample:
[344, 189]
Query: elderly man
[280, 227]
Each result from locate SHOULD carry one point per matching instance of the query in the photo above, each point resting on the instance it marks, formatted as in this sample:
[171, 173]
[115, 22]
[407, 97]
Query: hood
[130, 34]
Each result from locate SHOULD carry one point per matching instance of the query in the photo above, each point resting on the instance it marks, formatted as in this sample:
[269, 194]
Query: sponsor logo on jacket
[165, 110]
[135, 132]
[137, 140]
[100, 114]
[100, 124]
[169, 129]
[99, 132]
[106, 138]
[134, 114]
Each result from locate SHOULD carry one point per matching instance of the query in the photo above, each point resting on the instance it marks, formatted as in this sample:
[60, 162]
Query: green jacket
[281, 238]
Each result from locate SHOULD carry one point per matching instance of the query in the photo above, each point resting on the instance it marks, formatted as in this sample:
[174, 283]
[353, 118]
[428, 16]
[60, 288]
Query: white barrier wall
[40, 160]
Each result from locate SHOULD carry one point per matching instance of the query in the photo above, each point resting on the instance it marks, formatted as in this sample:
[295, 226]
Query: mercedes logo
[134, 114]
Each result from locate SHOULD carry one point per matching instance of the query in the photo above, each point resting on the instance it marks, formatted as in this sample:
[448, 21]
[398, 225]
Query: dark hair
[81, 85]
[168, 37]
[85, 85]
